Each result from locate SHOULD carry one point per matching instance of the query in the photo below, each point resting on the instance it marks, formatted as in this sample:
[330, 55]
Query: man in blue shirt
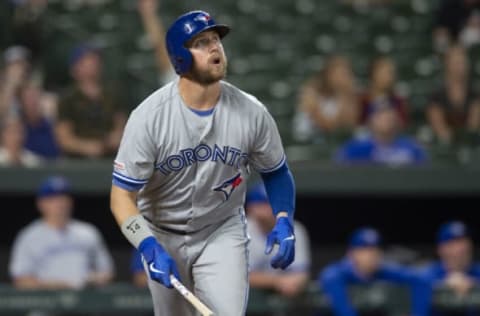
[383, 144]
[364, 265]
[39, 132]
[455, 269]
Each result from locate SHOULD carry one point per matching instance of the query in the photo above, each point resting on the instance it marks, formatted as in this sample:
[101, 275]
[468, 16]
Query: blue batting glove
[160, 264]
[283, 235]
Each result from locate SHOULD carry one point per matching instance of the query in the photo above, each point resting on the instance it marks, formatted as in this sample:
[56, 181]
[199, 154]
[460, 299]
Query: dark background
[406, 221]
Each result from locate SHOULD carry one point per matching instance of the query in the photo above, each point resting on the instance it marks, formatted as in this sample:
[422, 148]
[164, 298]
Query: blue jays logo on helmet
[203, 17]
[228, 186]
[184, 29]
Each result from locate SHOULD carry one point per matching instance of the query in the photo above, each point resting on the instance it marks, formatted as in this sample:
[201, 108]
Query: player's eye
[202, 43]
[205, 42]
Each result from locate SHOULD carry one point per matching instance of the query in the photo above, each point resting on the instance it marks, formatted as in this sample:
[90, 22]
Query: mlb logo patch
[117, 165]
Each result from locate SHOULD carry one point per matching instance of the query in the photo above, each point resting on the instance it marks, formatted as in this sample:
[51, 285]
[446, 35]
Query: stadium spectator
[455, 269]
[153, 25]
[12, 150]
[56, 251]
[381, 91]
[90, 119]
[39, 129]
[455, 107]
[364, 264]
[289, 282]
[456, 21]
[16, 69]
[328, 102]
[383, 145]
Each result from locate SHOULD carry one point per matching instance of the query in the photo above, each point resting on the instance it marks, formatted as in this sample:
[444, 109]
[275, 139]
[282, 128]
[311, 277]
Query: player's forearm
[70, 143]
[140, 279]
[280, 188]
[34, 283]
[123, 204]
[153, 27]
[156, 34]
[134, 226]
[79, 146]
[262, 280]
[298, 280]
[100, 278]
[438, 123]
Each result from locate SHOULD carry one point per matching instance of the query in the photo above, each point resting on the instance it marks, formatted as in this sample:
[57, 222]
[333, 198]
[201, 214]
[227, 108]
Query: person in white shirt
[57, 251]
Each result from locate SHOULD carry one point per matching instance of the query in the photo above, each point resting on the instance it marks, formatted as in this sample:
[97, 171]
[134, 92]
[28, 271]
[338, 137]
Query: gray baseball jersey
[190, 169]
[69, 255]
[261, 263]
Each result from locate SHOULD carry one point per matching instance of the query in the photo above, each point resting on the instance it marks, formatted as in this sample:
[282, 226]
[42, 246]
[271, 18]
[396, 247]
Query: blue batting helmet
[185, 28]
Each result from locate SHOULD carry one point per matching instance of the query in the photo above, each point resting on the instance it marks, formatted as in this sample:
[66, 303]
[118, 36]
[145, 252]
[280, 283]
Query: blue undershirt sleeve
[280, 188]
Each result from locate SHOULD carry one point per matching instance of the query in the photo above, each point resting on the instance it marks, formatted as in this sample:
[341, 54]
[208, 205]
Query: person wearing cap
[382, 144]
[291, 281]
[455, 268]
[90, 113]
[56, 251]
[363, 264]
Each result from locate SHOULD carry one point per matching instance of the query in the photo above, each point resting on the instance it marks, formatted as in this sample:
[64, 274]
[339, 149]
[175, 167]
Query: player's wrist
[136, 230]
[147, 243]
[284, 217]
[282, 214]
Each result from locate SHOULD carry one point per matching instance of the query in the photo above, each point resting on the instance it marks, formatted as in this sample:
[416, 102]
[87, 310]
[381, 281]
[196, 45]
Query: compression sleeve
[280, 188]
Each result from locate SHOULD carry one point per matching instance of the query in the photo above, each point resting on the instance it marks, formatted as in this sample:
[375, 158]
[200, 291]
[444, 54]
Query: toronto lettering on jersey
[230, 156]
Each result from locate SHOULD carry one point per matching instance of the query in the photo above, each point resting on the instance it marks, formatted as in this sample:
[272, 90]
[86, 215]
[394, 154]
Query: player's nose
[214, 46]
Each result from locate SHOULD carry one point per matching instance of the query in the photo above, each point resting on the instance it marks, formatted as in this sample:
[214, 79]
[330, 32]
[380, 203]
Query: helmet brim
[221, 29]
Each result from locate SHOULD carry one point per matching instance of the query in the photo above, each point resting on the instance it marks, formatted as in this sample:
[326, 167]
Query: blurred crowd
[84, 117]
[377, 117]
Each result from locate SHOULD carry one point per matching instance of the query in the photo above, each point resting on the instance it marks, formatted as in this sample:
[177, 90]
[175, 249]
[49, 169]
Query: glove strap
[136, 229]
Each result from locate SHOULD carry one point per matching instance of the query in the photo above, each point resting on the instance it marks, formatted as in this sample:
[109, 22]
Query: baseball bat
[202, 308]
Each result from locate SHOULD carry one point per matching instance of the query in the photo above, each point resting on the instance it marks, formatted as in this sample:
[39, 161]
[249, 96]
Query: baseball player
[57, 251]
[456, 268]
[364, 265]
[180, 176]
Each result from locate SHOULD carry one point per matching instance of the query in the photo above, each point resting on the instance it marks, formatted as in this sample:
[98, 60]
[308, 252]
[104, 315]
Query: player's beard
[212, 74]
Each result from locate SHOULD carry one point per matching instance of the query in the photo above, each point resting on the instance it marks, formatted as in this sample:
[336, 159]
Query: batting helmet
[185, 28]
